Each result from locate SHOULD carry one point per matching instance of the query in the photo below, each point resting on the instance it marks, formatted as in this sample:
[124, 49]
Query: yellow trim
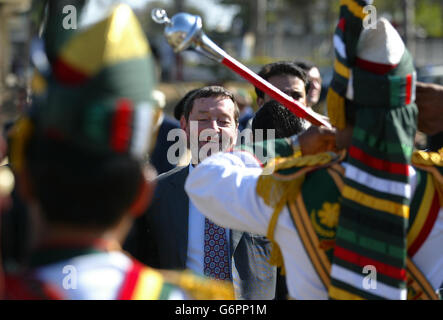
[341, 69]
[423, 211]
[427, 161]
[276, 257]
[438, 180]
[149, 285]
[280, 163]
[354, 8]
[338, 167]
[339, 294]
[336, 109]
[337, 179]
[276, 192]
[419, 282]
[397, 209]
[310, 241]
[116, 39]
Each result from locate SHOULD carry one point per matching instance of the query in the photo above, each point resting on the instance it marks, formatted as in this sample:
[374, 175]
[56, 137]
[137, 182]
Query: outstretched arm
[223, 187]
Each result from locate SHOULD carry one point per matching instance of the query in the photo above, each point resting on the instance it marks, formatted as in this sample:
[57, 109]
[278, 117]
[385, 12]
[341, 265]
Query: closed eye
[224, 122]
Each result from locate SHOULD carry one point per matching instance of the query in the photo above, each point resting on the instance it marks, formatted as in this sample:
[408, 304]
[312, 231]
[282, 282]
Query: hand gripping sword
[184, 31]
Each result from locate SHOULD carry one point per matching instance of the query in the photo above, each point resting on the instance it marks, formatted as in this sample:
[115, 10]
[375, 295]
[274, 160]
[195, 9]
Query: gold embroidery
[329, 214]
[328, 217]
[321, 231]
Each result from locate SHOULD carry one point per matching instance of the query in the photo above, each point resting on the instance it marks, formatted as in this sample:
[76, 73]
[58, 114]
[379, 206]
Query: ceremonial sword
[184, 31]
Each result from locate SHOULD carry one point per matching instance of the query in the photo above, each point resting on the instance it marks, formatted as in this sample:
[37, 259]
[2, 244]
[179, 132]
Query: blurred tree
[428, 14]
[253, 15]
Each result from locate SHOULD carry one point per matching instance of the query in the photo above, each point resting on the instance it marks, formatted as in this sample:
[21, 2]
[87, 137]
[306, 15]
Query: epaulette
[268, 149]
[198, 287]
[288, 172]
[284, 184]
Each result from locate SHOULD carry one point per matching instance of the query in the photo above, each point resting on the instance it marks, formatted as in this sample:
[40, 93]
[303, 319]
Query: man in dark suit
[179, 236]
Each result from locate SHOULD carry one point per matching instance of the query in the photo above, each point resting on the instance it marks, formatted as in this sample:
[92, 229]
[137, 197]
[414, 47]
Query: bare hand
[429, 99]
[317, 140]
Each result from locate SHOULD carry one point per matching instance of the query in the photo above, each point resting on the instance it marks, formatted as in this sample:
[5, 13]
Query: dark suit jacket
[159, 154]
[167, 230]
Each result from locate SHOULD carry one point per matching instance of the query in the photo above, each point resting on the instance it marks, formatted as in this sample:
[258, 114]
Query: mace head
[182, 30]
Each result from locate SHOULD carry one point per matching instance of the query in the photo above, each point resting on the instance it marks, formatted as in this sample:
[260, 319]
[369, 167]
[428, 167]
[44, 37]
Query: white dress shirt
[196, 242]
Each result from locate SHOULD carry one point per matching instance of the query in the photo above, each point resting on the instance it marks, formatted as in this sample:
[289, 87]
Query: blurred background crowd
[256, 32]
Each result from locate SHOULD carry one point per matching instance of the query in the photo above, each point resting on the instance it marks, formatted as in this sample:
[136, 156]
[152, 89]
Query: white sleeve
[223, 188]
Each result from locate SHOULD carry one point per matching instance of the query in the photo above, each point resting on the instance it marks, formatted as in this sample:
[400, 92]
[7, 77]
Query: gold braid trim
[427, 161]
[272, 188]
[276, 190]
[428, 158]
[200, 288]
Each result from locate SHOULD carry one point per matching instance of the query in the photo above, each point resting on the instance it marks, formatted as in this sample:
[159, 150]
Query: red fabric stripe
[430, 220]
[121, 126]
[362, 261]
[130, 281]
[25, 287]
[292, 105]
[408, 88]
[378, 164]
[378, 68]
[67, 74]
[417, 296]
[341, 24]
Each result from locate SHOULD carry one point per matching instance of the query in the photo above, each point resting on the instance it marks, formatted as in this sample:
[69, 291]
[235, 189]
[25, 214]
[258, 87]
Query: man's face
[211, 126]
[315, 87]
[291, 85]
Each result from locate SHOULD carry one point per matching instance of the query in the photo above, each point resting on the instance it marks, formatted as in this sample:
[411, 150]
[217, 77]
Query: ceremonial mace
[184, 31]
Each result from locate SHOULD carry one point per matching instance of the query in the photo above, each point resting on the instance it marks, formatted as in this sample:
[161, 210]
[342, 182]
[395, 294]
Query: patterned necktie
[216, 261]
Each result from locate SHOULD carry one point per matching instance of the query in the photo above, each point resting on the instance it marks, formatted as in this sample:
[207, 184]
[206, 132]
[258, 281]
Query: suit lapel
[234, 237]
[180, 219]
